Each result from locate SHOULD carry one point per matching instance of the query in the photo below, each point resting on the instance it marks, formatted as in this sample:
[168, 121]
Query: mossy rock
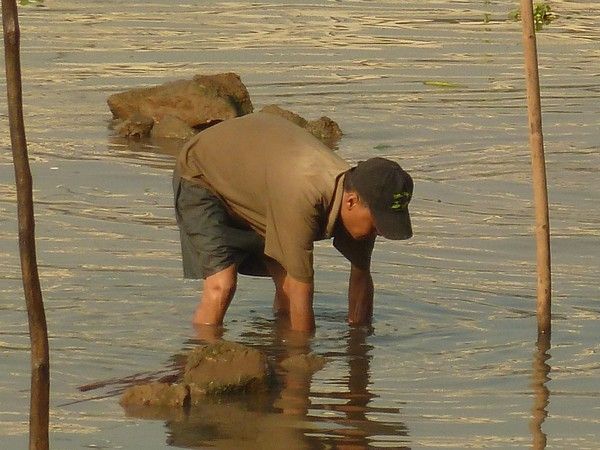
[216, 369]
[324, 128]
[227, 367]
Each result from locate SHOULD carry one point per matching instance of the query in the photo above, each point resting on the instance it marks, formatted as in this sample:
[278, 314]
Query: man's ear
[351, 199]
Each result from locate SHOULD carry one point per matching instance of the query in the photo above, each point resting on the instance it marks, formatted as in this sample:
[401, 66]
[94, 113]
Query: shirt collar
[336, 203]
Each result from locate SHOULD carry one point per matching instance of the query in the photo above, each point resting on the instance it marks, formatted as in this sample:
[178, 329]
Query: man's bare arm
[281, 303]
[360, 297]
[293, 298]
[300, 295]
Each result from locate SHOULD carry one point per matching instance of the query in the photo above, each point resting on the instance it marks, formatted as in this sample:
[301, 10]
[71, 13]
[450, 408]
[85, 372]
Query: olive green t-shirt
[279, 179]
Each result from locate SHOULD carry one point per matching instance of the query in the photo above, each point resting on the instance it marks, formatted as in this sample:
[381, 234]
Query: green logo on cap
[400, 200]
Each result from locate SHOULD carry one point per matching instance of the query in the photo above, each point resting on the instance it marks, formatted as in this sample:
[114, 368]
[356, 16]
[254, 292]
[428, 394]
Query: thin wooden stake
[38, 333]
[538, 166]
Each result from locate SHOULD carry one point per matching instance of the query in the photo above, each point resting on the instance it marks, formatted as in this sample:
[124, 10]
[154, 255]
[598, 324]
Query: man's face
[357, 217]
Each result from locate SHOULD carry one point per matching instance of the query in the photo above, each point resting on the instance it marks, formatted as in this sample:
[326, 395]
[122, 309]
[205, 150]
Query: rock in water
[136, 126]
[286, 114]
[308, 364]
[179, 109]
[172, 127]
[204, 99]
[216, 369]
[226, 367]
[324, 128]
[156, 394]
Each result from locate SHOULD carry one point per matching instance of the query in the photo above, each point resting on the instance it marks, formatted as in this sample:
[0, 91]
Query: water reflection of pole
[538, 166]
[541, 393]
[38, 333]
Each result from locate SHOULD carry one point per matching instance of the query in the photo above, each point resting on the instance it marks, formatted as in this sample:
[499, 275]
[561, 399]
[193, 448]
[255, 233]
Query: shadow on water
[291, 415]
[541, 393]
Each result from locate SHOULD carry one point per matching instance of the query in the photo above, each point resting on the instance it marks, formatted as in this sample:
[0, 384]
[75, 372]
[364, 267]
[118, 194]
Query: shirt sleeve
[358, 252]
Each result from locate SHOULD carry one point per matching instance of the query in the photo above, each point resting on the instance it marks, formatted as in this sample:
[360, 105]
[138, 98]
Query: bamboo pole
[541, 394]
[538, 166]
[38, 333]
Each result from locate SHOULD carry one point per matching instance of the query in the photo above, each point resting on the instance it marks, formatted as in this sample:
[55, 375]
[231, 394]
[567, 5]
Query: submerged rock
[204, 99]
[286, 114]
[225, 367]
[136, 126]
[215, 369]
[156, 394]
[324, 128]
[304, 363]
[179, 109]
[173, 127]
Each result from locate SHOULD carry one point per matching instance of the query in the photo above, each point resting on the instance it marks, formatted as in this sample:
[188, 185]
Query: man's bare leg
[218, 290]
[281, 302]
[208, 333]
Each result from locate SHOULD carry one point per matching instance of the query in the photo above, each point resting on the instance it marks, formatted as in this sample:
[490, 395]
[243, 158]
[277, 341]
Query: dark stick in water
[38, 332]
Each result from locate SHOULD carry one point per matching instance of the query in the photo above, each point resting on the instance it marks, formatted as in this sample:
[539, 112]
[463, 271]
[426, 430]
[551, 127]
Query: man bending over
[253, 193]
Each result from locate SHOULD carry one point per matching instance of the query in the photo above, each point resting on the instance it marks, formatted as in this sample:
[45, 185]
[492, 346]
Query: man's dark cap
[386, 189]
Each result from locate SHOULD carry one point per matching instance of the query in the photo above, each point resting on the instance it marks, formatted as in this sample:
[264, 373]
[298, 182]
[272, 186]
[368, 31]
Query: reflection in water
[282, 418]
[241, 424]
[342, 416]
[355, 427]
[541, 392]
[157, 153]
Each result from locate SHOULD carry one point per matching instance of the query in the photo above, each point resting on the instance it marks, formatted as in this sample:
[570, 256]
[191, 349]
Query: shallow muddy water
[436, 85]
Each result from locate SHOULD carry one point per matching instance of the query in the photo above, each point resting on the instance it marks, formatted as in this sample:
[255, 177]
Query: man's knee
[217, 293]
[219, 290]
[220, 287]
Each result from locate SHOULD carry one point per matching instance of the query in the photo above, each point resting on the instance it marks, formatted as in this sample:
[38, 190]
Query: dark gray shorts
[211, 239]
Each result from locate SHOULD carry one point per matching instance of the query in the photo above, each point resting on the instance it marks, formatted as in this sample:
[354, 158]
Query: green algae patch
[542, 15]
[442, 84]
